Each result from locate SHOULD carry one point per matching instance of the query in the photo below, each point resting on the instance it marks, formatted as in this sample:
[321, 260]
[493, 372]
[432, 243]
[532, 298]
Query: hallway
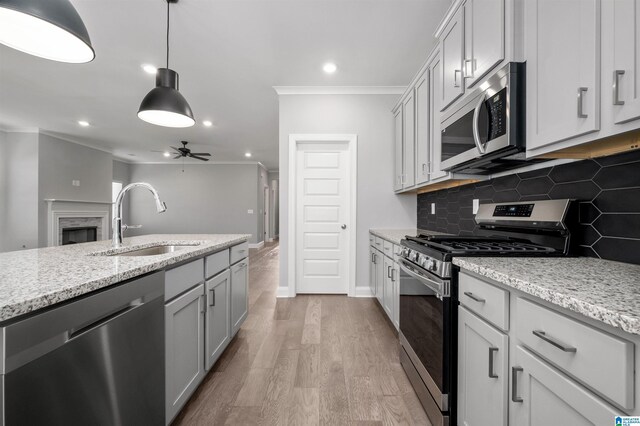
[329, 360]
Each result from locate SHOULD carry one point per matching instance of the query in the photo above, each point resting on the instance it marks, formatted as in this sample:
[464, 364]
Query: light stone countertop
[604, 290]
[395, 235]
[34, 279]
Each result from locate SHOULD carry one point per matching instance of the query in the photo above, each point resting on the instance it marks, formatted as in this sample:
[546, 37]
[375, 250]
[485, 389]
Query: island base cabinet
[542, 396]
[239, 292]
[184, 342]
[217, 319]
[482, 372]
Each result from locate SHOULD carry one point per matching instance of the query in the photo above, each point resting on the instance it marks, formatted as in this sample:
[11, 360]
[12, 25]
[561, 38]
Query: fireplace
[81, 234]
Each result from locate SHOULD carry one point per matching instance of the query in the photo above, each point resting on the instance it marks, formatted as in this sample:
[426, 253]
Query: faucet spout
[117, 219]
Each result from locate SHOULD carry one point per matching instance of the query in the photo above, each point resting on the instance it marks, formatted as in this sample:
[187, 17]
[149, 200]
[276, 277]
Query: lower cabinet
[395, 281]
[543, 396]
[217, 323]
[482, 372]
[387, 298]
[239, 293]
[372, 270]
[384, 278]
[184, 348]
[379, 259]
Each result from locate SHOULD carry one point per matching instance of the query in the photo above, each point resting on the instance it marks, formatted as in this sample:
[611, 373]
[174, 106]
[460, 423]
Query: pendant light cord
[168, 4]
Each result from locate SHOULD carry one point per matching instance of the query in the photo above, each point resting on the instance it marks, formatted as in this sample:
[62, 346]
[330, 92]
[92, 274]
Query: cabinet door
[408, 142]
[387, 298]
[399, 161]
[626, 67]
[562, 48]
[239, 294]
[451, 51]
[379, 259]
[218, 317]
[395, 275]
[435, 99]
[484, 38]
[547, 397]
[372, 271]
[184, 348]
[482, 372]
[422, 129]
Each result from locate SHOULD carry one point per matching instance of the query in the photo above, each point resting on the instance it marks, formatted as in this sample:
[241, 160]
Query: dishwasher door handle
[74, 333]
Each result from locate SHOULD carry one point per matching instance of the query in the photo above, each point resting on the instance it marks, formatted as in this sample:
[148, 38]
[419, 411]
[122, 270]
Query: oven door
[426, 329]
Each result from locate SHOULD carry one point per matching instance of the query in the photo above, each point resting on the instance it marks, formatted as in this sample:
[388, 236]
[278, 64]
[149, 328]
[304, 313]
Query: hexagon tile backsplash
[607, 190]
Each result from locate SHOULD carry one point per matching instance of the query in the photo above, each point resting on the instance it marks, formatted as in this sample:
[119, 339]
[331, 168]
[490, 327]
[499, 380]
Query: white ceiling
[229, 54]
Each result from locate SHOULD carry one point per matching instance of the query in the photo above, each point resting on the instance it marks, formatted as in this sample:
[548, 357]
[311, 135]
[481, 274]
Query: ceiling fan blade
[198, 158]
[177, 156]
[204, 154]
[174, 148]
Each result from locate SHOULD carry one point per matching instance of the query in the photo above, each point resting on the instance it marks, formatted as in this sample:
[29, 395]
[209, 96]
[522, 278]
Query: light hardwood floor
[329, 360]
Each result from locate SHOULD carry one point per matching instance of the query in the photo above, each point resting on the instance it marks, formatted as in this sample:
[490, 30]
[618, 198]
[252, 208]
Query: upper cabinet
[422, 136]
[622, 18]
[484, 40]
[562, 47]
[398, 146]
[452, 53]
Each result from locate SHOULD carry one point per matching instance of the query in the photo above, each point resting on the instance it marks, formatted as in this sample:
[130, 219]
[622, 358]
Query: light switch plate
[433, 208]
[476, 205]
[75, 182]
[250, 211]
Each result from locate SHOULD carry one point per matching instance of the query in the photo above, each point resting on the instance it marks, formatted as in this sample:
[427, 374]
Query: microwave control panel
[497, 112]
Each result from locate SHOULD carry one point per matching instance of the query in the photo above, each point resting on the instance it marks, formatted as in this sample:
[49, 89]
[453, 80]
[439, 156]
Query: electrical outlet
[75, 182]
[250, 211]
[433, 208]
[476, 205]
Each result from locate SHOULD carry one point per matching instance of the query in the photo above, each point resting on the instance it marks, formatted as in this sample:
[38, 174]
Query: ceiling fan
[186, 152]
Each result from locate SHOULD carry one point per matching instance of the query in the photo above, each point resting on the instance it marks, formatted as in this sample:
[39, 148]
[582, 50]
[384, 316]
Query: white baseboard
[284, 292]
[256, 245]
[363, 291]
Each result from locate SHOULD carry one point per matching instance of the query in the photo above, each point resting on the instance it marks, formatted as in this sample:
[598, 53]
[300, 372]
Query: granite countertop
[34, 279]
[395, 235]
[600, 289]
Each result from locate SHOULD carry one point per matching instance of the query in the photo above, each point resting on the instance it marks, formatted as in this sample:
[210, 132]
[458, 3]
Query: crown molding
[200, 163]
[339, 90]
[453, 8]
[10, 129]
[75, 141]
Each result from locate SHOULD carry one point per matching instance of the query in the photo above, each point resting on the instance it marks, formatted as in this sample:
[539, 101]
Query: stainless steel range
[429, 291]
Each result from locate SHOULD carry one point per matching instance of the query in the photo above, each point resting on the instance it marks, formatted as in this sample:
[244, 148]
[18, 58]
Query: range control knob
[431, 265]
[422, 260]
[413, 255]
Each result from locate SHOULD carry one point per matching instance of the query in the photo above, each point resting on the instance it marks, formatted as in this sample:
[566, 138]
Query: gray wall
[60, 163]
[18, 191]
[205, 198]
[121, 172]
[275, 202]
[368, 116]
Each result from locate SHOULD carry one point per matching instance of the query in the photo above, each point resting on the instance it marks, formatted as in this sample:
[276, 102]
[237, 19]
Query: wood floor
[328, 360]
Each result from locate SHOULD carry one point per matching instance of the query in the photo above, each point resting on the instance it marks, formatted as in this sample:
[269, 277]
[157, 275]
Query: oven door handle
[476, 126]
[438, 288]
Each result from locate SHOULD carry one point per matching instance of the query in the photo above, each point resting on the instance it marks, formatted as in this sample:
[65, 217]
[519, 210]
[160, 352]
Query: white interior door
[322, 214]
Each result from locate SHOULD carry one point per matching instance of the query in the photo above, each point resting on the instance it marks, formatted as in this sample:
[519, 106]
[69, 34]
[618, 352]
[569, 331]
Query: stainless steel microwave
[486, 133]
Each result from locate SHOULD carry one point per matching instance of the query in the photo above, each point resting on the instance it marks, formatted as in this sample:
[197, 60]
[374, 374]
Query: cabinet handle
[555, 342]
[242, 251]
[203, 300]
[474, 297]
[456, 83]
[514, 384]
[375, 259]
[466, 74]
[393, 275]
[492, 374]
[389, 272]
[616, 87]
[213, 297]
[581, 91]
[242, 265]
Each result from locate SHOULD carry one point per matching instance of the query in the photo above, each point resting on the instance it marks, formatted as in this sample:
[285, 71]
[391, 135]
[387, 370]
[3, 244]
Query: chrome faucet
[118, 227]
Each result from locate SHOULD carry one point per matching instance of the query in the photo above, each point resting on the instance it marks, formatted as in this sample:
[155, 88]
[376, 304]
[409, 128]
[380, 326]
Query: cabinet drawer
[239, 252]
[378, 243]
[372, 240]
[599, 360]
[216, 262]
[487, 300]
[387, 248]
[182, 278]
[396, 252]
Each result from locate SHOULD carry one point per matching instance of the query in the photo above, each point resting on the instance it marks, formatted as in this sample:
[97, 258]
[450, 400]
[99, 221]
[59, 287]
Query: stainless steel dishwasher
[98, 360]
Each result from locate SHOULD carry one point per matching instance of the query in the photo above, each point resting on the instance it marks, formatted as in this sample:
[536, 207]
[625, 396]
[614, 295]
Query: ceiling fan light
[164, 105]
[50, 29]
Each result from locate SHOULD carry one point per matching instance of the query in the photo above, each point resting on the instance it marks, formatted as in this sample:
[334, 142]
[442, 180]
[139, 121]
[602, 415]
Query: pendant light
[164, 105]
[50, 29]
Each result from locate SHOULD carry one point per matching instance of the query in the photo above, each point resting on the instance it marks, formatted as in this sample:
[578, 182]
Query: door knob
[344, 227]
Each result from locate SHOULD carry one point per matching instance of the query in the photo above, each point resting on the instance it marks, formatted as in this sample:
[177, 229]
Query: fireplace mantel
[58, 209]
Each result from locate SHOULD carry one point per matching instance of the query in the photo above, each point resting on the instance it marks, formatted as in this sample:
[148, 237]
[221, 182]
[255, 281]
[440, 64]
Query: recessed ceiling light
[329, 67]
[166, 154]
[207, 123]
[149, 69]
[247, 154]
[83, 123]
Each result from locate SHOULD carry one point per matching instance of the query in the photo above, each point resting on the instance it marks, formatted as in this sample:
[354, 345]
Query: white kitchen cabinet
[483, 372]
[484, 35]
[217, 318]
[562, 50]
[624, 22]
[379, 261]
[395, 281]
[239, 294]
[408, 142]
[398, 155]
[422, 136]
[387, 298]
[184, 348]
[372, 271]
[452, 54]
[435, 100]
[543, 396]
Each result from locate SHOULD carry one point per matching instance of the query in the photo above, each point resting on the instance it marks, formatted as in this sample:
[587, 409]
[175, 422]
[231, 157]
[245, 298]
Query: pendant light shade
[164, 105]
[50, 29]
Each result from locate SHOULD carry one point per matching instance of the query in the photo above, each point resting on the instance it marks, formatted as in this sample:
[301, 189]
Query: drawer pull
[474, 297]
[558, 344]
[492, 374]
[213, 297]
[388, 271]
[514, 384]
[242, 251]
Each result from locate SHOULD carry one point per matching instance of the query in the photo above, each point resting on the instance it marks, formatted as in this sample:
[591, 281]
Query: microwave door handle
[476, 132]
[433, 285]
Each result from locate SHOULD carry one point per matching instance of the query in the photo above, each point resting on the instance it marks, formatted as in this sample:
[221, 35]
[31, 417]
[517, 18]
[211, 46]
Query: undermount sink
[154, 251]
